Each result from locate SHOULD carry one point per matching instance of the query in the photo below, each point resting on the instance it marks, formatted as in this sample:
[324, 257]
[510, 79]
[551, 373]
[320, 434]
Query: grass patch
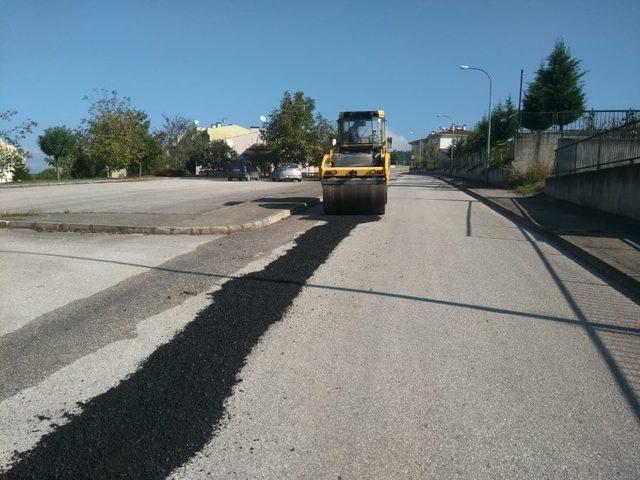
[16, 213]
[531, 182]
[530, 188]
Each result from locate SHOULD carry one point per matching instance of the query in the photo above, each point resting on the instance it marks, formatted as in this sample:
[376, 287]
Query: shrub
[169, 172]
[46, 174]
[531, 182]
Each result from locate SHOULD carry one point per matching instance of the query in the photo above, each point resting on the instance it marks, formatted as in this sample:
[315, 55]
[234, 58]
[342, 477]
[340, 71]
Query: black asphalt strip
[156, 419]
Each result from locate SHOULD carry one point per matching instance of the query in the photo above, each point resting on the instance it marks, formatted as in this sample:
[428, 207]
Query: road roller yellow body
[356, 171]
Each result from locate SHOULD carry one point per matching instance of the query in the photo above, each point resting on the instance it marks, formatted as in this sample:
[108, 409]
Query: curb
[163, 230]
[79, 182]
[612, 272]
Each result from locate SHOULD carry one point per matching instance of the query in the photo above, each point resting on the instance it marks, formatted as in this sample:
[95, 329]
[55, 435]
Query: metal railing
[589, 121]
[613, 147]
[463, 163]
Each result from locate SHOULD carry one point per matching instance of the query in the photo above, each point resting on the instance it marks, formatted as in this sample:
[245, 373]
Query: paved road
[56, 269]
[175, 195]
[440, 341]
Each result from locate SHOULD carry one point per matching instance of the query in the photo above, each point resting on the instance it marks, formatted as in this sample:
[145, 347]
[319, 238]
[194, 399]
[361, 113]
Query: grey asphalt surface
[57, 268]
[439, 341]
[200, 206]
[169, 196]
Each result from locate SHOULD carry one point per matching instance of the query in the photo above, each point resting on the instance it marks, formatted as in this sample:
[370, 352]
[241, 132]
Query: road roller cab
[356, 171]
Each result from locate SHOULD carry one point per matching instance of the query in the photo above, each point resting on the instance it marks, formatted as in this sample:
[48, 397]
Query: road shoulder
[609, 245]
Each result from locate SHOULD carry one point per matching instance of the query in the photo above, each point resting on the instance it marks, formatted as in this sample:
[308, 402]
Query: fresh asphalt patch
[160, 416]
[58, 338]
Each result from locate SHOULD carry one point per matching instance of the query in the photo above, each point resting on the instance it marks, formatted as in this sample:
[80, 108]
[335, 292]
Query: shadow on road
[621, 345]
[414, 298]
[612, 326]
[424, 185]
[283, 202]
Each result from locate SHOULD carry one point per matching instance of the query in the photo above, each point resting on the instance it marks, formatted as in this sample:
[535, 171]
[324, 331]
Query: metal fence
[613, 147]
[463, 163]
[590, 121]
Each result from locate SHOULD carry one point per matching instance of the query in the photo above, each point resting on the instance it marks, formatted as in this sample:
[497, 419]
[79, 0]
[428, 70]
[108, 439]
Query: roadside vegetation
[555, 97]
[294, 133]
[12, 155]
[557, 88]
[115, 139]
[399, 157]
[531, 182]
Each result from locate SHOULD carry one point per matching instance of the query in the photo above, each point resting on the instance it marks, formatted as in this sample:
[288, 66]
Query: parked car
[287, 171]
[242, 170]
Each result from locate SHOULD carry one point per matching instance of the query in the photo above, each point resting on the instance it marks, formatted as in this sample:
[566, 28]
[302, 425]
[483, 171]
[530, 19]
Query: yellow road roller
[356, 171]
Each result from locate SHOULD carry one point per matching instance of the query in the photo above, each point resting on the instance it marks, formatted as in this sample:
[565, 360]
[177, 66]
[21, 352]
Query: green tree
[504, 121]
[293, 134]
[21, 171]
[83, 166]
[400, 157]
[194, 146]
[534, 113]
[117, 133]
[61, 145]
[153, 159]
[504, 124]
[476, 141]
[46, 174]
[178, 138]
[11, 153]
[216, 155]
[322, 135]
[557, 88]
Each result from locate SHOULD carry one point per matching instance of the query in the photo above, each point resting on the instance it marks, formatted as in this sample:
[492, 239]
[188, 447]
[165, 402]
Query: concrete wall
[613, 190]
[533, 147]
[585, 154]
[497, 176]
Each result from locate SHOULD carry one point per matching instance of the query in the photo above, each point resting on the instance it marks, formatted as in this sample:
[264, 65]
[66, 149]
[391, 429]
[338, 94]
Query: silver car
[287, 171]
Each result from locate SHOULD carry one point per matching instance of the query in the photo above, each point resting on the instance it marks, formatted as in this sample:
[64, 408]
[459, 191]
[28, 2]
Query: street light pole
[467, 67]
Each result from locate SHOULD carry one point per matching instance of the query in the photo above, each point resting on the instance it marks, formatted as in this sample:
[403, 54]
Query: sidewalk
[608, 242]
[248, 215]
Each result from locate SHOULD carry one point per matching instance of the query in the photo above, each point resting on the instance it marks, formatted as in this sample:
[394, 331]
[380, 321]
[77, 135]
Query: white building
[239, 138]
[438, 142]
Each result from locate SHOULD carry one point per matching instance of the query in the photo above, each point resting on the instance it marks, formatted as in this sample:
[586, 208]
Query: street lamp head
[464, 67]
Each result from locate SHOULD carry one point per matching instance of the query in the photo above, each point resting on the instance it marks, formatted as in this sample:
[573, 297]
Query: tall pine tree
[557, 90]
[21, 171]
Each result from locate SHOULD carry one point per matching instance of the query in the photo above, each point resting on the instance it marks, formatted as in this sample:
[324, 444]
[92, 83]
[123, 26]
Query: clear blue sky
[211, 59]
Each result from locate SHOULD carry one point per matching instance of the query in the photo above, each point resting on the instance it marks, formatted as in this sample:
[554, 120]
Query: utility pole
[520, 100]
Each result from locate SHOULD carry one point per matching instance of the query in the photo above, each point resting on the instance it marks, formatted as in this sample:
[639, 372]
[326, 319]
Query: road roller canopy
[361, 130]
